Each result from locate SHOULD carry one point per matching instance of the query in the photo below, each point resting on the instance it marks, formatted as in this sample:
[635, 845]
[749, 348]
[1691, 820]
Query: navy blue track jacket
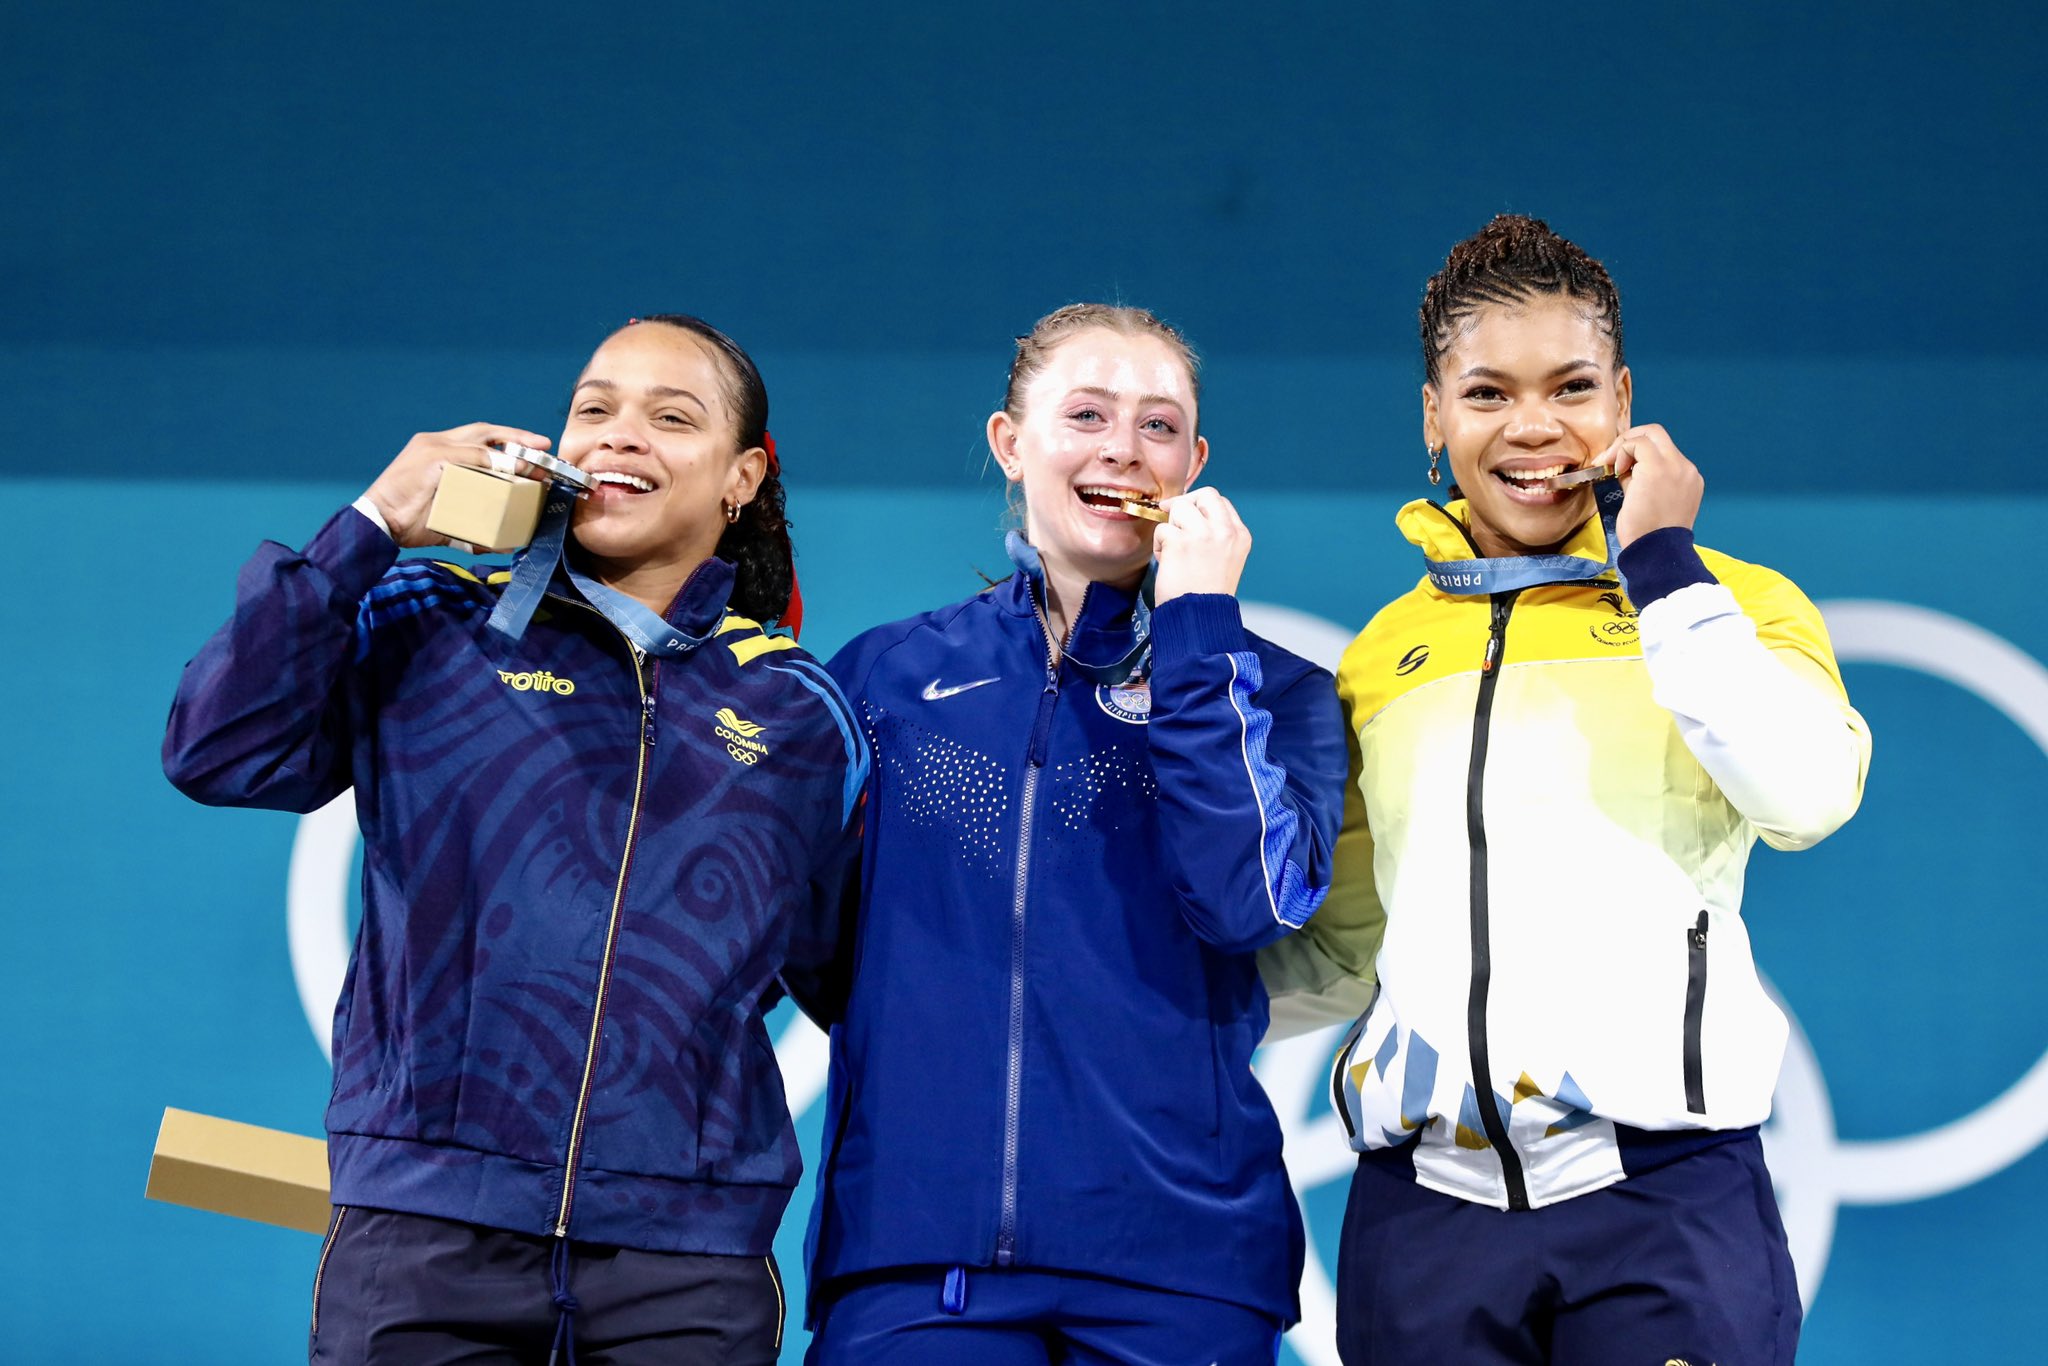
[582, 872]
[1045, 1059]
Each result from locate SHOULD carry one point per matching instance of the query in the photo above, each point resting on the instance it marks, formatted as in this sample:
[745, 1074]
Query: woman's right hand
[1664, 488]
[404, 493]
[1201, 546]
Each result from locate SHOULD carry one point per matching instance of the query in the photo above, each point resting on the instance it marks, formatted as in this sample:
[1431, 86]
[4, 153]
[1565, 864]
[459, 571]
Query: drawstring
[563, 1353]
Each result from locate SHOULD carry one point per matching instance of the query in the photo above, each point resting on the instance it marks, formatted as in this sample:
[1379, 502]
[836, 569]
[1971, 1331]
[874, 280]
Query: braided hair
[1508, 262]
[758, 543]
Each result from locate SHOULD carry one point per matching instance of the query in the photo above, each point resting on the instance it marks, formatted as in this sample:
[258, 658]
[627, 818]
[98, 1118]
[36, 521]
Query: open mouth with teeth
[1110, 498]
[617, 479]
[1535, 480]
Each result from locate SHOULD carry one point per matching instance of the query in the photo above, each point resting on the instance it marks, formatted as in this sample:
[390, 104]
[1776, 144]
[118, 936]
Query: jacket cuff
[1659, 563]
[1198, 624]
[353, 552]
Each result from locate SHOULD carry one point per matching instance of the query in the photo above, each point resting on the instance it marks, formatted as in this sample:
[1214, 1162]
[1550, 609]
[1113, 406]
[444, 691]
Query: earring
[732, 512]
[1436, 475]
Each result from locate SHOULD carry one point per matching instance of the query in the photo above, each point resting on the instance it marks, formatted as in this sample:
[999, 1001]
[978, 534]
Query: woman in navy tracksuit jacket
[588, 843]
[1045, 1141]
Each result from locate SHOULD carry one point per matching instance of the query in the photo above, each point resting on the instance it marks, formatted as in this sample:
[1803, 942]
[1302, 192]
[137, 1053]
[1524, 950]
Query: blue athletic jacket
[582, 871]
[1045, 1059]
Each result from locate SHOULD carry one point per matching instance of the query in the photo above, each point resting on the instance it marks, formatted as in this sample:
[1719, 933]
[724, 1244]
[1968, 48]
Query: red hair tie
[768, 445]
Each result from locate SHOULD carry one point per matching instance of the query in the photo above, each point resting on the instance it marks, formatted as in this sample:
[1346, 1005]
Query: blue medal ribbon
[1506, 573]
[1135, 661]
[647, 629]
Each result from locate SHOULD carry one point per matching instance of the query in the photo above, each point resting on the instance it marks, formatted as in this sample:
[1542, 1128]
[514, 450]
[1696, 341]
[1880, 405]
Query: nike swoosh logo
[934, 693]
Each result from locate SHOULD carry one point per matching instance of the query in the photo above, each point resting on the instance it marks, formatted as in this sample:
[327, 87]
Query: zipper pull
[1496, 635]
[647, 720]
[1041, 727]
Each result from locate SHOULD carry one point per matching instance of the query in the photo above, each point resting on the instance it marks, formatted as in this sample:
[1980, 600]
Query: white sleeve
[1788, 756]
[368, 507]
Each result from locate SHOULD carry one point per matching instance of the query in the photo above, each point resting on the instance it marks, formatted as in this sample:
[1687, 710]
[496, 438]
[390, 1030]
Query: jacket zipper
[1695, 1014]
[1490, 1116]
[611, 935]
[1013, 1081]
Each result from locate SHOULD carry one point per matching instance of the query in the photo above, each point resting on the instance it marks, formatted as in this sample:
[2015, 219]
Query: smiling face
[1110, 416]
[652, 420]
[1527, 390]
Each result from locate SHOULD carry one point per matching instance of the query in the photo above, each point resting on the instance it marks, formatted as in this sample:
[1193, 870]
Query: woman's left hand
[1201, 546]
[1664, 488]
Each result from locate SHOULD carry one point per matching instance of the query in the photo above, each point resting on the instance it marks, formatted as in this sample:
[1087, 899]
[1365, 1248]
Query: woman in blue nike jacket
[590, 829]
[1094, 794]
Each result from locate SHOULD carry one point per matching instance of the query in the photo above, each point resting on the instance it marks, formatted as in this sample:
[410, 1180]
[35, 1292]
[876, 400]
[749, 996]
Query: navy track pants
[1684, 1263]
[991, 1317]
[408, 1290]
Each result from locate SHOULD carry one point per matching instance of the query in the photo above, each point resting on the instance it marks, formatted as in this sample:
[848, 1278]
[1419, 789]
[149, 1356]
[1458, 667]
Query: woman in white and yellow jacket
[1558, 771]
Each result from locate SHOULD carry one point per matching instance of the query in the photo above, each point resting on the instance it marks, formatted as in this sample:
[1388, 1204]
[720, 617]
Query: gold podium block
[488, 510]
[241, 1169]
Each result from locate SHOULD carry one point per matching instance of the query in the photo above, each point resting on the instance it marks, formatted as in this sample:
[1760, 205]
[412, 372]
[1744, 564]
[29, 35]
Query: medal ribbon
[1506, 573]
[532, 571]
[1115, 673]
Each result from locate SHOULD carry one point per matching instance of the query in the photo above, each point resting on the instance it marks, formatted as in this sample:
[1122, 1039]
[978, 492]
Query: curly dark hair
[1510, 261]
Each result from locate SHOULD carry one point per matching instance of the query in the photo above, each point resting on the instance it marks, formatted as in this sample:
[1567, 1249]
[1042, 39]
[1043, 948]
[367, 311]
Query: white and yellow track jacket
[1554, 792]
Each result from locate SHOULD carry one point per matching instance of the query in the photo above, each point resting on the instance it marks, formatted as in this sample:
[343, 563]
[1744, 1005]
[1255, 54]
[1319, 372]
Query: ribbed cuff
[1198, 624]
[1659, 563]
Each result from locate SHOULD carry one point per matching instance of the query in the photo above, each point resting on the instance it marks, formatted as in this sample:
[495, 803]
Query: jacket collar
[697, 606]
[1112, 632]
[703, 598]
[1456, 568]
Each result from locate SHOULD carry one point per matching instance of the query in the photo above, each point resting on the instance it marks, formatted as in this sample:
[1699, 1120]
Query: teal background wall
[249, 249]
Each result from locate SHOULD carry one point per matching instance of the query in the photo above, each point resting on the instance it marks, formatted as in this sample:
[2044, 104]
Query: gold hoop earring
[1436, 475]
[732, 512]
